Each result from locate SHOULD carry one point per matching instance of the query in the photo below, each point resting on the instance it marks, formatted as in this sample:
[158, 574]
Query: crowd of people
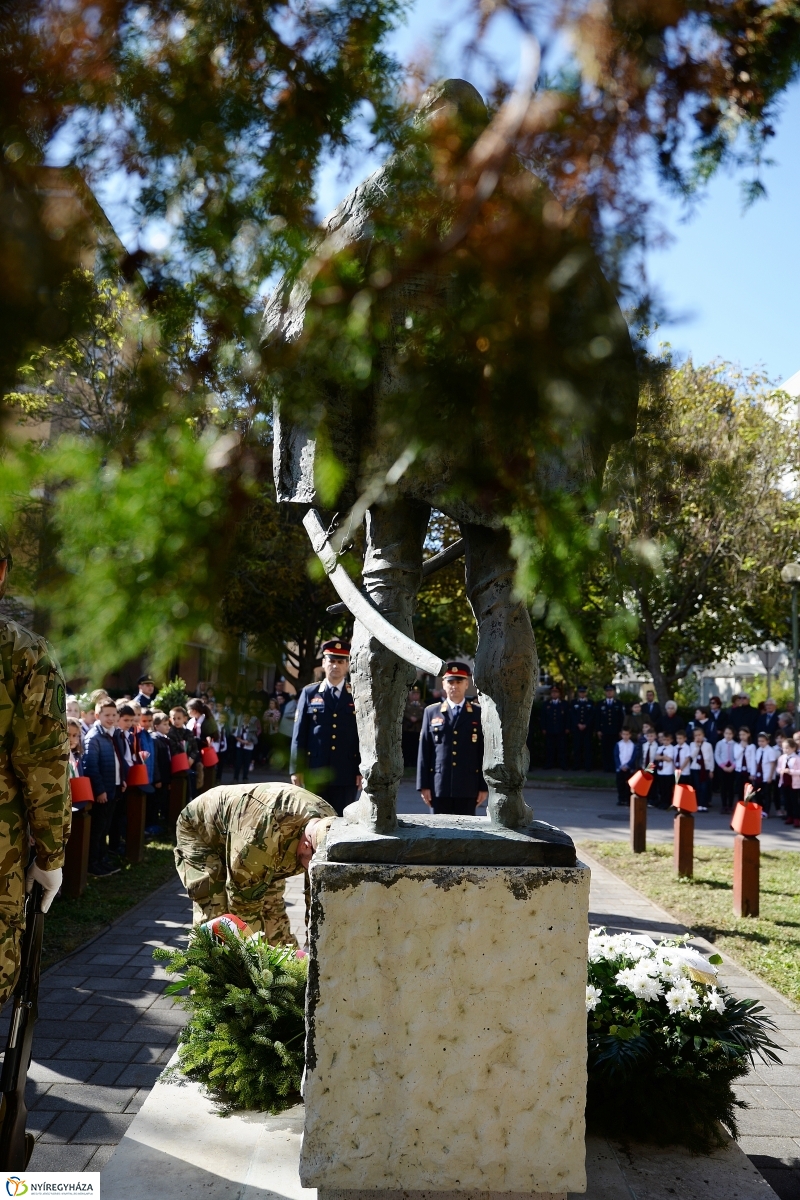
[717, 750]
[107, 737]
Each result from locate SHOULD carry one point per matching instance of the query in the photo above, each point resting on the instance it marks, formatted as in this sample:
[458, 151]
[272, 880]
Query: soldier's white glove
[50, 881]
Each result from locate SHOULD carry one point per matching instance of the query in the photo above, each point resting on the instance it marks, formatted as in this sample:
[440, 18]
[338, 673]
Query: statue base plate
[451, 841]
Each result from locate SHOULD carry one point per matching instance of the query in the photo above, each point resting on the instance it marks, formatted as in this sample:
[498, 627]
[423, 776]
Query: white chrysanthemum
[593, 995]
[645, 987]
[669, 969]
[714, 1000]
[682, 997]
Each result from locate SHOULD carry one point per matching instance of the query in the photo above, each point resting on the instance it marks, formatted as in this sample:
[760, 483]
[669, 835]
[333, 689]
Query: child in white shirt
[725, 758]
[665, 781]
[745, 761]
[788, 779]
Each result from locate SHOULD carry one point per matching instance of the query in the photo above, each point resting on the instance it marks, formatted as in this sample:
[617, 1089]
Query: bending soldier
[237, 845]
[34, 794]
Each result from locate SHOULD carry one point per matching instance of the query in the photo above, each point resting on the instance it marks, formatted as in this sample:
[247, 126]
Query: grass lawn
[70, 923]
[768, 945]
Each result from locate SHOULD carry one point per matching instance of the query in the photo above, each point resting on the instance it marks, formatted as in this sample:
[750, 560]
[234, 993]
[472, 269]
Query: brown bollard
[638, 823]
[683, 834]
[134, 834]
[746, 858]
[177, 798]
[76, 853]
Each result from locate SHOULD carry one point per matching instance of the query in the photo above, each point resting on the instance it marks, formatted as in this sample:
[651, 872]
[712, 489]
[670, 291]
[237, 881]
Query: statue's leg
[505, 671]
[392, 576]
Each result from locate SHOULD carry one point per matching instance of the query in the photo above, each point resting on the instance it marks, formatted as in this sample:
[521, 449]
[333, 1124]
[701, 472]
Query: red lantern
[747, 818]
[641, 782]
[684, 798]
[180, 762]
[137, 775]
[81, 789]
[209, 756]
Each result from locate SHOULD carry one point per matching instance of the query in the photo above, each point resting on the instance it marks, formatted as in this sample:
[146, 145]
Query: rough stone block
[447, 1028]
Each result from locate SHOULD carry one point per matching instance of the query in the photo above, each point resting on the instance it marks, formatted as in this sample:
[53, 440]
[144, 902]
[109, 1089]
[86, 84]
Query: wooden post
[746, 855]
[134, 835]
[76, 854]
[683, 857]
[638, 823]
[177, 798]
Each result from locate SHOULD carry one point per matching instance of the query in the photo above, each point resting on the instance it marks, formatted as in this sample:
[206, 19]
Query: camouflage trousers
[217, 885]
[13, 861]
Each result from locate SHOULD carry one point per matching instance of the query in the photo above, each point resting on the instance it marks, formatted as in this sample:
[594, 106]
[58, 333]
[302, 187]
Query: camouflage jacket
[256, 826]
[34, 750]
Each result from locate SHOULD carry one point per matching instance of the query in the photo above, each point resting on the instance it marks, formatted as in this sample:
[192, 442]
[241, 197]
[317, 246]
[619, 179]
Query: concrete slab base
[179, 1148]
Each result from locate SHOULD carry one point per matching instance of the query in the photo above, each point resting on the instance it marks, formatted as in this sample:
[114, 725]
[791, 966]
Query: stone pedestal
[446, 1022]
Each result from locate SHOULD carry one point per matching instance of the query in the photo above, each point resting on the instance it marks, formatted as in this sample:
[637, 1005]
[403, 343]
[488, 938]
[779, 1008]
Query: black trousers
[582, 756]
[623, 790]
[727, 789]
[102, 818]
[607, 743]
[337, 797]
[665, 786]
[454, 806]
[555, 751]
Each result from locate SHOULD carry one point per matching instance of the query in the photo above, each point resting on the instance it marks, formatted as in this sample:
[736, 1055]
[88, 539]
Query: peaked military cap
[457, 670]
[337, 648]
[582, 687]
[145, 679]
[609, 687]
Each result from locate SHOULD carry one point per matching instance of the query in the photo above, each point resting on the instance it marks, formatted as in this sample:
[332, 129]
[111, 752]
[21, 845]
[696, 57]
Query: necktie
[456, 711]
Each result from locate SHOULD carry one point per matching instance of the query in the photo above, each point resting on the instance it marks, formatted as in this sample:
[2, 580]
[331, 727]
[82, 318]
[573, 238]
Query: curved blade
[361, 608]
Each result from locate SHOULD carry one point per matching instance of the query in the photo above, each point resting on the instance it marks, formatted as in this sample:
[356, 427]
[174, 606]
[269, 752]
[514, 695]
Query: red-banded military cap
[337, 648]
[457, 670]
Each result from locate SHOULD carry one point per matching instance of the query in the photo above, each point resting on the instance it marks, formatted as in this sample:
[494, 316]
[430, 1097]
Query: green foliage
[665, 1044]
[171, 695]
[245, 1034]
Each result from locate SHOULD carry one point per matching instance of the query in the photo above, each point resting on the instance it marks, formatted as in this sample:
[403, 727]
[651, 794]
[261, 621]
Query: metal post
[795, 650]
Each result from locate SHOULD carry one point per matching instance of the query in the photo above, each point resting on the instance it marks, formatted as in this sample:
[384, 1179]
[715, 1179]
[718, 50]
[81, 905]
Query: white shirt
[789, 764]
[725, 752]
[745, 758]
[336, 688]
[649, 752]
[667, 767]
[683, 760]
[455, 709]
[626, 752]
[767, 756]
[705, 752]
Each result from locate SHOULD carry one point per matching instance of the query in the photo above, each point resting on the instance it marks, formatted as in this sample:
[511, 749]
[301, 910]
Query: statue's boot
[505, 671]
[392, 576]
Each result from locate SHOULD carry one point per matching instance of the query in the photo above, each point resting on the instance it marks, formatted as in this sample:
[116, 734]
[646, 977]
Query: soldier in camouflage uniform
[237, 845]
[34, 793]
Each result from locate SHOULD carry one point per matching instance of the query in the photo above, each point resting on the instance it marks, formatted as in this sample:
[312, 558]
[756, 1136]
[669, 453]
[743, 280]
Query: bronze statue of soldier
[505, 670]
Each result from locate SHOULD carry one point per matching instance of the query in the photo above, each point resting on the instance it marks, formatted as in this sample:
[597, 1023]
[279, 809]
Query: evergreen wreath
[245, 1037]
[666, 1043]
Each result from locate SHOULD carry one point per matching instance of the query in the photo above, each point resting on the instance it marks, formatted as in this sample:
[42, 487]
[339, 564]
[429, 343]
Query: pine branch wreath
[245, 1037]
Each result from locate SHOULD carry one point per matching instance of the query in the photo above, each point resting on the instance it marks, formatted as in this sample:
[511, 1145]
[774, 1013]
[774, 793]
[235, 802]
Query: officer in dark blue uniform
[450, 757]
[609, 717]
[554, 727]
[325, 736]
[581, 723]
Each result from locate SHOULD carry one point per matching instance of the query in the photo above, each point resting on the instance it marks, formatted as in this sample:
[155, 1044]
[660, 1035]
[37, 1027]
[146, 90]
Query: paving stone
[45, 1047]
[769, 1122]
[95, 1052]
[58, 1070]
[149, 1054]
[791, 1095]
[107, 1073]
[105, 1128]
[151, 1033]
[102, 984]
[779, 1149]
[64, 1127]
[141, 1075]
[778, 1076]
[84, 1012]
[129, 971]
[53, 1157]
[55, 1012]
[85, 1096]
[110, 960]
[64, 995]
[54, 1033]
[138, 1100]
[101, 1156]
[762, 1096]
[784, 1181]
[66, 980]
[38, 1121]
[119, 1014]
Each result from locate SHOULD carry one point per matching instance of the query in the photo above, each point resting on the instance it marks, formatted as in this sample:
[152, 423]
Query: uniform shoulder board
[443, 707]
[468, 706]
[348, 687]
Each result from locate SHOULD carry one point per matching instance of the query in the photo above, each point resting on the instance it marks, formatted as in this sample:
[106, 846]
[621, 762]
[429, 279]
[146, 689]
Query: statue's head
[453, 107]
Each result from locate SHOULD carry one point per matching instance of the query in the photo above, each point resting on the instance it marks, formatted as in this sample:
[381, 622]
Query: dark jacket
[100, 759]
[608, 718]
[581, 712]
[183, 741]
[162, 771]
[325, 735]
[671, 724]
[768, 724]
[745, 714]
[555, 718]
[450, 756]
[652, 714]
